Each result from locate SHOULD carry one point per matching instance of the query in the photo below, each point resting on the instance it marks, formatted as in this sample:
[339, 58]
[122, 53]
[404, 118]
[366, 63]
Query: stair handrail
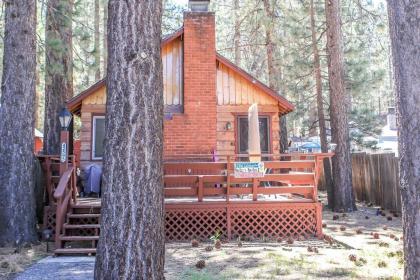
[65, 194]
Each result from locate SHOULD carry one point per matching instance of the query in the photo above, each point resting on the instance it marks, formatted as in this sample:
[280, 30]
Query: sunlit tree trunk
[96, 43]
[58, 69]
[274, 70]
[320, 109]
[131, 244]
[339, 102]
[404, 26]
[237, 33]
[17, 121]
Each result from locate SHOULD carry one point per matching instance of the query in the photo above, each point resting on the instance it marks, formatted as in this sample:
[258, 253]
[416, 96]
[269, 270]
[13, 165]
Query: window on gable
[98, 136]
[242, 134]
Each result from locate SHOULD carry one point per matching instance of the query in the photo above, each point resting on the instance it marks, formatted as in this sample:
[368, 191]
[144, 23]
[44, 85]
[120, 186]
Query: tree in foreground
[58, 69]
[339, 103]
[17, 121]
[404, 27]
[131, 244]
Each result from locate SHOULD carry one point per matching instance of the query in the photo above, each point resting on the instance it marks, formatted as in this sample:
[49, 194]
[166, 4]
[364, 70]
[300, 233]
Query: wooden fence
[375, 179]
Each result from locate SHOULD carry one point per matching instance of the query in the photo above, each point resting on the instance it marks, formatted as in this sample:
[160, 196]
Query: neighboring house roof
[74, 104]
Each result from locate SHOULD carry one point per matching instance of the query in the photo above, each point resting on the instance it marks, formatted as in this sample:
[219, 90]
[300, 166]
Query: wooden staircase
[80, 232]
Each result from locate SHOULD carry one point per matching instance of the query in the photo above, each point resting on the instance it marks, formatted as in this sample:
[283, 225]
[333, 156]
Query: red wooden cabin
[205, 131]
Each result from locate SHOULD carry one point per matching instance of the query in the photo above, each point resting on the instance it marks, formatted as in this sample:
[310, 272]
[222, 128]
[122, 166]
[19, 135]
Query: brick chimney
[200, 73]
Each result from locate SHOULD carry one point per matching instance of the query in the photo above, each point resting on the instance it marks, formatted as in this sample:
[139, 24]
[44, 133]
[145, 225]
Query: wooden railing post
[254, 189]
[200, 188]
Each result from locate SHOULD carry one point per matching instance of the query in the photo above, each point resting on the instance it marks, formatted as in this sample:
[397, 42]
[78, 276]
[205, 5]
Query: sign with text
[63, 155]
[249, 169]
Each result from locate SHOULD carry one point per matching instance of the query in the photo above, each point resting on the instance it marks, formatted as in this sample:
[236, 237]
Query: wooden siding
[232, 89]
[172, 62]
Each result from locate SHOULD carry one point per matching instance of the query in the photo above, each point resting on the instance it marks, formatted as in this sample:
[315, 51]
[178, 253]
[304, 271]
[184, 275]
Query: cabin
[206, 100]
[211, 184]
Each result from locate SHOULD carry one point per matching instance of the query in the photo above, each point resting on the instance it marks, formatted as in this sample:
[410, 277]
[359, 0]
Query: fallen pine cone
[336, 217]
[194, 243]
[396, 239]
[376, 235]
[389, 218]
[200, 264]
[290, 240]
[385, 227]
[395, 215]
[310, 249]
[209, 248]
[383, 214]
[342, 228]
[352, 258]
[239, 244]
[315, 250]
[392, 236]
[367, 217]
[218, 244]
[324, 225]
[359, 231]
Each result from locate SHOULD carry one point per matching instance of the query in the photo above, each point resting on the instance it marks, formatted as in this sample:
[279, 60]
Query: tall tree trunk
[17, 110]
[96, 43]
[341, 161]
[237, 33]
[404, 26]
[320, 108]
[131, 245]
[274, 70]
[105, 36]
[58, 69]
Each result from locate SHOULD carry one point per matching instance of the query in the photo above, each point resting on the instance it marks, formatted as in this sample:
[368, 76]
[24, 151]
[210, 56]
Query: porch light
[199, 5]
[65, 118]
[228, 126]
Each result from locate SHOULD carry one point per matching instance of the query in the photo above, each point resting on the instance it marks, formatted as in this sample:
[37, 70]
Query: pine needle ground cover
[354, 248]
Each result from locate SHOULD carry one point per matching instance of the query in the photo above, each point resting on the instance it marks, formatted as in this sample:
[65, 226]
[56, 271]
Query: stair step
[76, 226]
[78, 238]
[81, 216]
[91, 206]
[70, 251]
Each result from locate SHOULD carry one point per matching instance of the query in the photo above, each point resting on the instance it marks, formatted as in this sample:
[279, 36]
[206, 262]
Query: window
[98, 136]
[242, 140]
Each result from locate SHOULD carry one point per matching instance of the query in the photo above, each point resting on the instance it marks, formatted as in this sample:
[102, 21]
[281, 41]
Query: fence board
[375, 179]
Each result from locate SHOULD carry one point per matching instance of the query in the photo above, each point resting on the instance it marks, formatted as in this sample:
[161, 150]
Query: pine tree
[17, 103]
[132, 201]
[58, 69]
[404, 19]
[341, 161]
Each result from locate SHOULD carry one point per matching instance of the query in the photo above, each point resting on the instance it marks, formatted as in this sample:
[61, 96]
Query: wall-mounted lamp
[228, 126]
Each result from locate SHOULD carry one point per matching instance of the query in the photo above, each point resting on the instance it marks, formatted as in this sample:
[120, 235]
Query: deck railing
[64, 195]
[203, 179]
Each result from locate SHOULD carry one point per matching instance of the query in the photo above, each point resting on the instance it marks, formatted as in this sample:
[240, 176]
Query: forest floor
[376, 258]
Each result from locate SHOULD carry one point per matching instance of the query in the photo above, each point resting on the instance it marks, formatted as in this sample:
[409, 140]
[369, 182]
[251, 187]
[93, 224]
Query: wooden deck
[204, 197]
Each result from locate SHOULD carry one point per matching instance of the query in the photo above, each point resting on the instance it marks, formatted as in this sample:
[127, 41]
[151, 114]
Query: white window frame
[94, 136]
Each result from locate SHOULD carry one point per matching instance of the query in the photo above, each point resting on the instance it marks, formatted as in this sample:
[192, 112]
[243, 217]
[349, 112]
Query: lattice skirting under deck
[248, 221]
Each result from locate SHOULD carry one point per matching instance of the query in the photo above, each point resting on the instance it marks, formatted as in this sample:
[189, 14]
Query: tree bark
[320, 109]
[96, 43]
[105, 36]
[237, 33]
[131, 244]
[58, 69]
[404, 27]
[17, 204]
[339, 101]
[274, 70]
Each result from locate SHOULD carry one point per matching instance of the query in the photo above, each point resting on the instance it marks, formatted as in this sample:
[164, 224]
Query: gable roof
[74, 104]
